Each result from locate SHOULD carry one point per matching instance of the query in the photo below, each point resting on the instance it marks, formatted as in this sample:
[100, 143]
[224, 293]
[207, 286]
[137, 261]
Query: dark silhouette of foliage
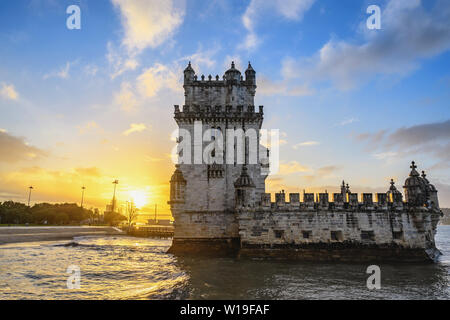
[113, 218]
[65, 213]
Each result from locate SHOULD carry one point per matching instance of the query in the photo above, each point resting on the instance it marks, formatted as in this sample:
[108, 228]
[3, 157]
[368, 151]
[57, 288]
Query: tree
[112, 218]
[66, 213]
[14, 213]
[132, 213]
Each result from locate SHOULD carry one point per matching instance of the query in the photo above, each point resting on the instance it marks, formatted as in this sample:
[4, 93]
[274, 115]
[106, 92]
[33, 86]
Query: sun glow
[139, 198]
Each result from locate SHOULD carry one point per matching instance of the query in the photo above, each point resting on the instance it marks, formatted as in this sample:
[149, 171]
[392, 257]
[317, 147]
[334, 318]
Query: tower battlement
[219, 113]
[233, 89]
[321, 201]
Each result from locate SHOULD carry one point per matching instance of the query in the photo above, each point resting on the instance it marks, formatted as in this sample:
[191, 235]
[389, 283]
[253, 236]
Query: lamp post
[29, 195]
[82, 195]
[115, 182]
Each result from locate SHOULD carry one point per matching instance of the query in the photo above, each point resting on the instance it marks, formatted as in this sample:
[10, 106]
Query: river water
[136, 268]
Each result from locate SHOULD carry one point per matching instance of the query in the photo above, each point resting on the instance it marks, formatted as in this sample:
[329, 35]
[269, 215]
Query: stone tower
[219, 143]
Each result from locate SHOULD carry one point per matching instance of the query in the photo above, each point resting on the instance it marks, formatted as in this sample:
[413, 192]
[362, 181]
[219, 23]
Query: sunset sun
[139, 198]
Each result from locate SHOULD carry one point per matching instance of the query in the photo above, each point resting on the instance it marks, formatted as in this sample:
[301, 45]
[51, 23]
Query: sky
[83, 107]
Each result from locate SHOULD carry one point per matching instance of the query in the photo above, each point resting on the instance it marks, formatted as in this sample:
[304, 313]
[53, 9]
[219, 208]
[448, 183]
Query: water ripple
[135, 268]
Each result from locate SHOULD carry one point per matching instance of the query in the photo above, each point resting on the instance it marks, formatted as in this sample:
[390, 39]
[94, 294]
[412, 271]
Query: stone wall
[204, 193]
[205, 225]
[299, 226]
[218, 93]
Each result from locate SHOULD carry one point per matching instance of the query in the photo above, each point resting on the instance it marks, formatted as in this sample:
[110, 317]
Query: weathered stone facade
[334, 231]
[223, 207]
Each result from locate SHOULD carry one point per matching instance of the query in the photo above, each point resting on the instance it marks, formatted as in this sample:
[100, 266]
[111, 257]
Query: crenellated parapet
[231, 77]
[364, 202]
[230, 90]
[217, 113]
[420, 195]
[321, 202]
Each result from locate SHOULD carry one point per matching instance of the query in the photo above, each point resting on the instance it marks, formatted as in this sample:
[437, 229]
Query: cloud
[120, 62]
[430, 138]
[327, 171]
[406, 137]
[92, 171]
[157, 77]
[346, 122]
[385, 155]
[62, 73]
[55, 185]
[135, 127]
[201, 58]
[91, 70]
[14, 149]
[420, 134]
[91, 125]
[305, 144]
[126, 98]
[269, 87]
[148, 23]
[148, 84]
[8, 91]
[372, 139]
[409, 34]
[289, 9]
[292, 167]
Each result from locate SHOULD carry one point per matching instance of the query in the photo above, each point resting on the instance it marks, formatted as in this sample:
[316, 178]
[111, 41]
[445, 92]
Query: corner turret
[415, 188]
[250, 75]
[177, 187]
[431, 193]
[394, 196]
[189, 74]
[245, 189]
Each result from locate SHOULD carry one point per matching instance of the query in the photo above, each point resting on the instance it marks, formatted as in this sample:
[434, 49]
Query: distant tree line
[44, 213]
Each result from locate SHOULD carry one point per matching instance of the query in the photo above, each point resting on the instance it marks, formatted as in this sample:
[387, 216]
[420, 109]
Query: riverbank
[17, 234]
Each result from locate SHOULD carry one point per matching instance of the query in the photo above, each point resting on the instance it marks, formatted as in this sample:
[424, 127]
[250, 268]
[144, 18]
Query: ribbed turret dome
[414, 179]
[233, 73]
[244, 180]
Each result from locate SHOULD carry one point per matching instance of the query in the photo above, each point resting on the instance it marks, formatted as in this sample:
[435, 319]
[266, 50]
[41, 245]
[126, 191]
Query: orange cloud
[14, 149]
[8, 91]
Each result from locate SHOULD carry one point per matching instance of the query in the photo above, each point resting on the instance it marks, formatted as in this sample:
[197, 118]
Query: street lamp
[82, 195]
[115, 183]
[29, 195]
